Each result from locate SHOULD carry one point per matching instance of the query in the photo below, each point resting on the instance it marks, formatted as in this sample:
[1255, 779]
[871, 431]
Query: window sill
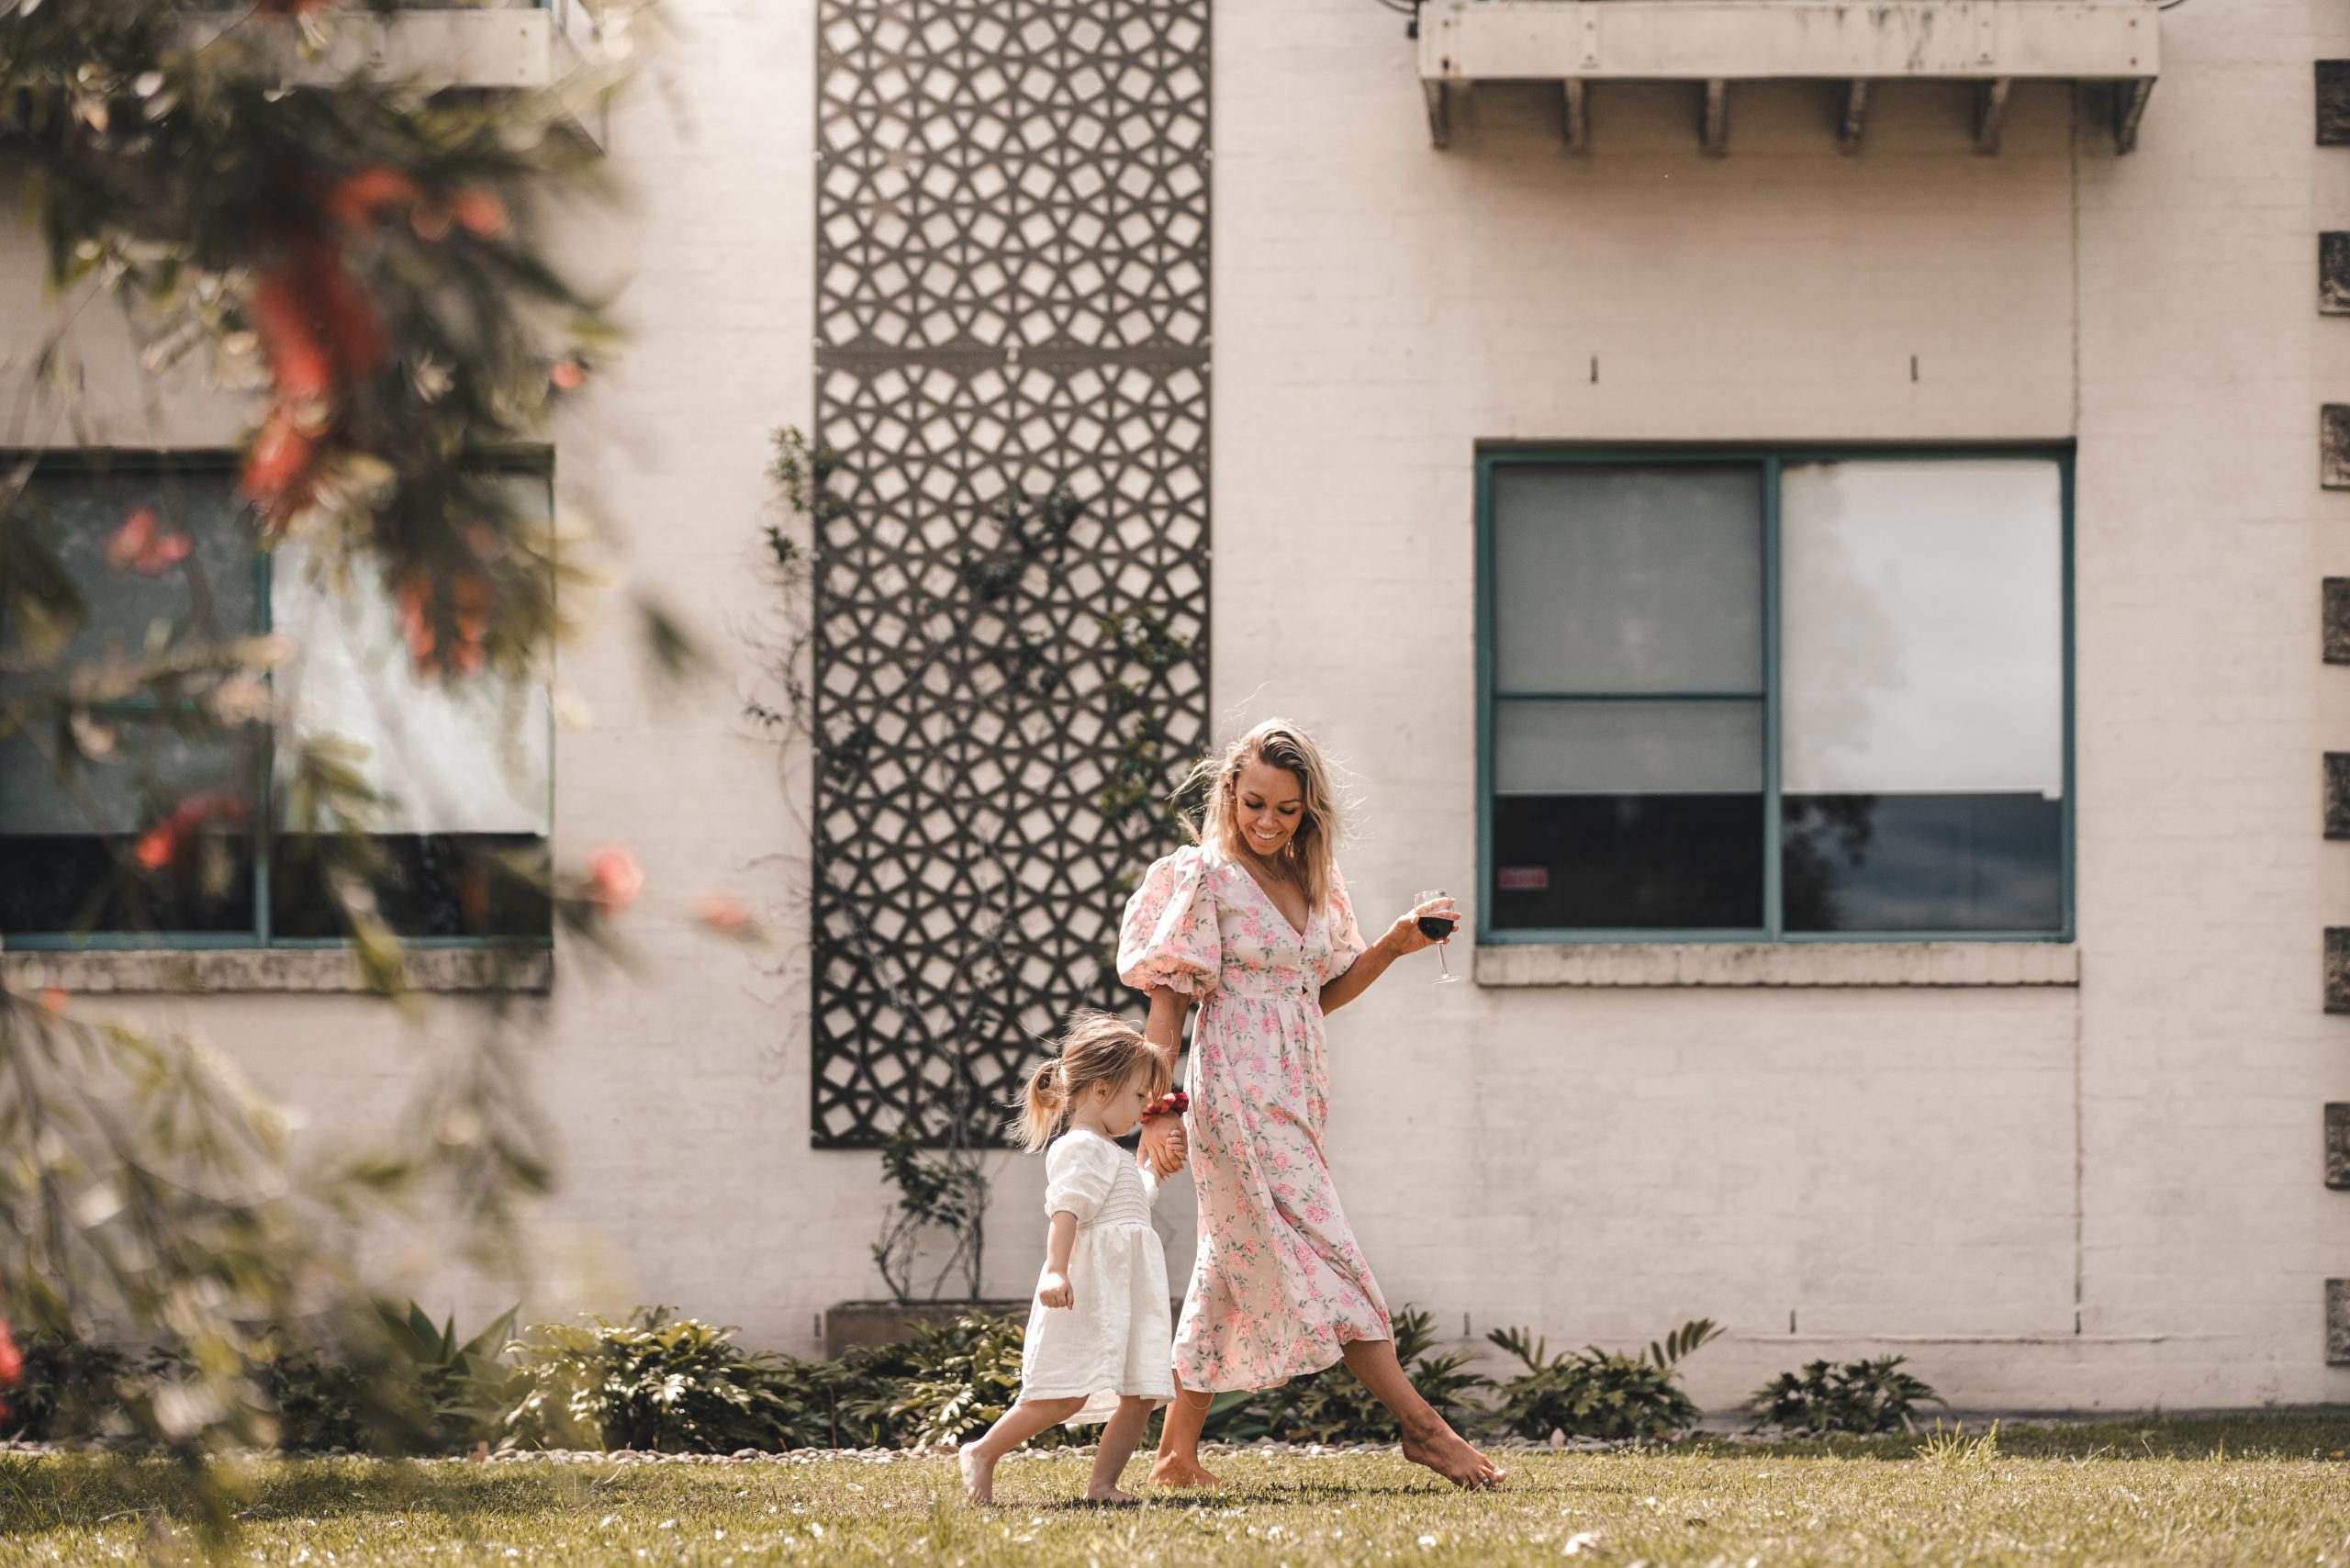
[1779, 964]
[136, 972]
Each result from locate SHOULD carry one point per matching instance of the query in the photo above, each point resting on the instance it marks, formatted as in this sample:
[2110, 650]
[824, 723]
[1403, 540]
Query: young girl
[1098, 1334]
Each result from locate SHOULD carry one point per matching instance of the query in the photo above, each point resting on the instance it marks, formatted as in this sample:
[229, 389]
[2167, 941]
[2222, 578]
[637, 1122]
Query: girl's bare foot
[979, 1474]
[1172, 1471]
[1444, 1450]
[1109, 1494]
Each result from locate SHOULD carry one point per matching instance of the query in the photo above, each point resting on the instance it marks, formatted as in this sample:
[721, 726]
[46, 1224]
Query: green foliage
[1862, 1396]
[320, 1403]
[65, 1389]
[942, 1385]
[1333, 1406]
[651, 1381]
[364, 258]
[1598, 1394]
[462, 1390]
[948, 1193]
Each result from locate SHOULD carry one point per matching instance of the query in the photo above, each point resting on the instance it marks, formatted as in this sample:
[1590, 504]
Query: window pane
[1628, 814]
[207, 594]
[1923, 863]
[1922, 718]
[1631, 580]
[1628, 862]
[464, 764]
[1630, 748]
[468, 755]
[66, 847]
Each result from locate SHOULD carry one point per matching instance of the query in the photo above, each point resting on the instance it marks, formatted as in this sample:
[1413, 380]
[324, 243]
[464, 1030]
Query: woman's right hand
[1163, 1145]
[1053, 1289]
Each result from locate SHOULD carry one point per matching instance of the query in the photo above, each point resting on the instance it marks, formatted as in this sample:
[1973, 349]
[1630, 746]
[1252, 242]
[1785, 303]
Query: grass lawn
[2274, 1490]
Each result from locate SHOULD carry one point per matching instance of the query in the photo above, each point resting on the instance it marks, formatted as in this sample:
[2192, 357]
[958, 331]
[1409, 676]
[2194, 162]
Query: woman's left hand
[1406, 936]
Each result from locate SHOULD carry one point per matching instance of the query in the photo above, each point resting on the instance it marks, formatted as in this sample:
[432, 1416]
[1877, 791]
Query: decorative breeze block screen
[1010, 570]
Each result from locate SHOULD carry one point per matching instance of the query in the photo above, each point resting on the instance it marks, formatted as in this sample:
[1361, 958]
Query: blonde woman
[1253, 924]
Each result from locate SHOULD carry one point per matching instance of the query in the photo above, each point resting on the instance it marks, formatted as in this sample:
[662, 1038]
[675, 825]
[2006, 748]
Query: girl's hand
[1406, 936]
[1163, 1145]
[1052, 1289]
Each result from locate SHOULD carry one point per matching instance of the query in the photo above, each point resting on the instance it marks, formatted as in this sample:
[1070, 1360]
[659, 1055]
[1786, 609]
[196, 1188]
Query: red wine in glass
[1436, 928]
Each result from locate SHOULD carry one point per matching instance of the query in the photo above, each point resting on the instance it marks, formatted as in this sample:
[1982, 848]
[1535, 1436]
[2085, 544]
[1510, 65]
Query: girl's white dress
[1117, 1338]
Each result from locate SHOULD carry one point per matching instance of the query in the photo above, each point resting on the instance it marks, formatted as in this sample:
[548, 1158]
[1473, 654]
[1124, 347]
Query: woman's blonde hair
[1311, 852]
[1096, 1047]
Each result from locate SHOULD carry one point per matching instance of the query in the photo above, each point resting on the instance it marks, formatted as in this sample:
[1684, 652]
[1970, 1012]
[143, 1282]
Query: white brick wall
[1935, 1171]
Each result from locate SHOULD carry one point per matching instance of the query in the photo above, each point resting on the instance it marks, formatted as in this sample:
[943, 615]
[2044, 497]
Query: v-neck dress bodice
[1279, 1286]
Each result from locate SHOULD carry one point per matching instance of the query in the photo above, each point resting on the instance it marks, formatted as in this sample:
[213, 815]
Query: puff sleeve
[1168, 936]
[1346, 937]
[1079, 1169]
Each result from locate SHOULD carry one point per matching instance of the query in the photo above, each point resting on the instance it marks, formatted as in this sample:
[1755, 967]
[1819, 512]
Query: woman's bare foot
[1109, 1494]
[979, 1474]
[1174, 1471]
[1444, 1450]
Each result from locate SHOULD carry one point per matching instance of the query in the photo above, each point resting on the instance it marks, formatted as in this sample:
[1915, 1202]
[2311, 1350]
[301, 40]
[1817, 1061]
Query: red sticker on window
[1523, 879]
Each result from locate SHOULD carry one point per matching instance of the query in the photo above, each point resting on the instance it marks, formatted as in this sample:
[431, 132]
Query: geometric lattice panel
[1011, 573]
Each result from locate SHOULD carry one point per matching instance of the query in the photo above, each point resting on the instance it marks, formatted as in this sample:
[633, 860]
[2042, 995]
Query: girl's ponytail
[1043, 1107]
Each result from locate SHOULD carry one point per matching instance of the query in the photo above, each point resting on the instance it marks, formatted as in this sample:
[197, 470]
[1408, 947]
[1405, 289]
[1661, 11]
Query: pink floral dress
[1279, 1286]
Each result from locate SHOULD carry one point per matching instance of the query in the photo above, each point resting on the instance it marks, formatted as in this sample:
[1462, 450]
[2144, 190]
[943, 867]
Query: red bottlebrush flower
[53, 997]
[162, 846]
[727, 916]
[480, 214]
[12, 1362]
[142, 545]
[283, 314]
[614, 878]
[358, 196]
[568, 375]
[159, 846]
[277, 467]
[318, 328]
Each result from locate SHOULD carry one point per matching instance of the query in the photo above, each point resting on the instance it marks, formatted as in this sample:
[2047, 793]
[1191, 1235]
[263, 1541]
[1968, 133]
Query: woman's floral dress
[1279, 1286]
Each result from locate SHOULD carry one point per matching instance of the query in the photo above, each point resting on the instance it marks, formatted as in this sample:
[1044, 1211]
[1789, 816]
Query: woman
[1253, 923]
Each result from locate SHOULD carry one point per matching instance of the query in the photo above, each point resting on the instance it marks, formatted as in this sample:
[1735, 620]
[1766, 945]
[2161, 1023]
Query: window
[464, 769]
[1749, 696]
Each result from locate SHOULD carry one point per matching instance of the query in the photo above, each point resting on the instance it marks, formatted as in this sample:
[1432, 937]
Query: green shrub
[1333, 1406]
[942, 1385]
[460, 1390]
[648, 1383]
[65, 1388]
[320, 1404]
[1859, 1396]
[1597, 1394]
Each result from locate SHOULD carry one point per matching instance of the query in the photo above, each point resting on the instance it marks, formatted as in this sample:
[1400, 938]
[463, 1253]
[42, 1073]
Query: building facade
[1839, 583]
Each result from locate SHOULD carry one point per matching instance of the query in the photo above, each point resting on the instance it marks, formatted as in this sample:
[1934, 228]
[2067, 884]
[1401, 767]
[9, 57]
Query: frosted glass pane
[1921, 638]
[1628, 578]
[1627, 748]
[463, 755]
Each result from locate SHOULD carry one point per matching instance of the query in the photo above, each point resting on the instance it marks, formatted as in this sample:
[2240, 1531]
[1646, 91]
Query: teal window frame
[1771, 458]
[213, 464]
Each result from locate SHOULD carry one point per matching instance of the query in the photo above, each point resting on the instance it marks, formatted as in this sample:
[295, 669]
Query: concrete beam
[1468, 41]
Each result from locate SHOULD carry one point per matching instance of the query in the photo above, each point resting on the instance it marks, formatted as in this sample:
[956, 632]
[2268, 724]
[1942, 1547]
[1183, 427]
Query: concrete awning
[1992, 43]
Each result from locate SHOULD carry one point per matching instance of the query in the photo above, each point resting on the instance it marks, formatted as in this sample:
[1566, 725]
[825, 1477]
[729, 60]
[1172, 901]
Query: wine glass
[1435, 927]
